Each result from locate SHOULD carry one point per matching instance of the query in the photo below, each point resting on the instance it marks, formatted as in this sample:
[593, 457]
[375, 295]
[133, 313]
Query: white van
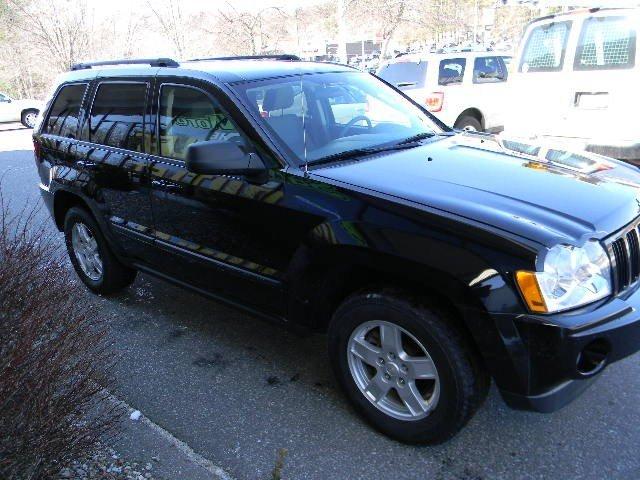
[575, 81]
[464, 90]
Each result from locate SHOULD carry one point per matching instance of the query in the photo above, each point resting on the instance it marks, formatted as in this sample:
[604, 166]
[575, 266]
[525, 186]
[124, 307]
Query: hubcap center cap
[392, 369]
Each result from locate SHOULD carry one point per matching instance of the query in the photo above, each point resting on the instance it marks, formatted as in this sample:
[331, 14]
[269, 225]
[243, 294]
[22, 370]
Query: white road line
[191, 455]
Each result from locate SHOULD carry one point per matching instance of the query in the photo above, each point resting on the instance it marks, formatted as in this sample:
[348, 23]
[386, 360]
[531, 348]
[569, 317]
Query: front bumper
[621, 149]
[627, 151]
[47, 198]
[564, 353]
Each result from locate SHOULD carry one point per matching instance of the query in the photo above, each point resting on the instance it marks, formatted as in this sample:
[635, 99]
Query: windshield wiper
[417, 137]
[360, 152]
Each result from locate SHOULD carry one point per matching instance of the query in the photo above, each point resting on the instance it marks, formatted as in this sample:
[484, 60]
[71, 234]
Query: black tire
[463, 382]
[468, 122]
[115, 276]
[25, 118]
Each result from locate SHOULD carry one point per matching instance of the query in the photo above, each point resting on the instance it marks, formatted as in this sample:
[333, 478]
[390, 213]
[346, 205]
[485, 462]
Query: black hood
[545, 195]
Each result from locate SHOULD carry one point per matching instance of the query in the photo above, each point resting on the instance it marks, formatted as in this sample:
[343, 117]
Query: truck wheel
[29, 117]
[90, 255]
[405, 366]
[468, 123]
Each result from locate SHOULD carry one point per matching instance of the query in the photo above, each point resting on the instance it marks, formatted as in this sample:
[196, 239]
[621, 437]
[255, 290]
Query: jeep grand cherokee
[319, 196]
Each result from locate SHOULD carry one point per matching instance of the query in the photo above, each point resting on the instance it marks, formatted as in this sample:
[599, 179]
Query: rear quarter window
[404, 74]
[489, 70]
[606, 43]
[65, 110]
[451, 71]
[545, 48]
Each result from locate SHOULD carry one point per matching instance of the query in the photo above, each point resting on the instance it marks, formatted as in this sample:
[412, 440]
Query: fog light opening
[593, 357]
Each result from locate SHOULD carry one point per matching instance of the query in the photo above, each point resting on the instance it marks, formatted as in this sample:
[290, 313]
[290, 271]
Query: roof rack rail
[285, 56]
[153, 62]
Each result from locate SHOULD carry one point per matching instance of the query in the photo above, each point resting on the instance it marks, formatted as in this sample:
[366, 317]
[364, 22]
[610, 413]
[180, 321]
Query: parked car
[434, 259]
[24, 111]
[465, 90]
[576, 76]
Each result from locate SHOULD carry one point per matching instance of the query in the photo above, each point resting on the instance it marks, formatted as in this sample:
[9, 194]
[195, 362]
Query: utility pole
[475, 24]
[342, 30]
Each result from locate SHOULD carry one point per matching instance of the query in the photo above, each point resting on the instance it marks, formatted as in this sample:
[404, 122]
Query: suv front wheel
[90, 255]
[405, 366]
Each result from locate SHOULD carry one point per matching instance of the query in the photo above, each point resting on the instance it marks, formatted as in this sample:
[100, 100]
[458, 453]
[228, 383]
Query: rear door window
[606, 43]
[404, 74]
[117, 115]
[545, 48]
[451, 71]
[489, 70]
[64, 113]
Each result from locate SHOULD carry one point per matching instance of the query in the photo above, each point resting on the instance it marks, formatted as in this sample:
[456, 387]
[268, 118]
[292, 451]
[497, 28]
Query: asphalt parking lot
[236, 389]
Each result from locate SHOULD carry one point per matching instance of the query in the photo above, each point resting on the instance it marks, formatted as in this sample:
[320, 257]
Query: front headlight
[571, 277]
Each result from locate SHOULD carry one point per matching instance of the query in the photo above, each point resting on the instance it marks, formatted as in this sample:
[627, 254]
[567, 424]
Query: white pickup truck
[24, 111]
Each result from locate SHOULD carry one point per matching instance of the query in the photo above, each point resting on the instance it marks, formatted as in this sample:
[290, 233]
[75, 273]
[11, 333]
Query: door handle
[86, 165]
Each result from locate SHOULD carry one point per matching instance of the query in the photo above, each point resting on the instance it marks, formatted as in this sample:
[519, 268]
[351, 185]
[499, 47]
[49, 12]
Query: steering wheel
[352, 122]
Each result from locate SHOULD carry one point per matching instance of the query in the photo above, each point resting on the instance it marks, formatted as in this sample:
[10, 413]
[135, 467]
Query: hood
[545, 195]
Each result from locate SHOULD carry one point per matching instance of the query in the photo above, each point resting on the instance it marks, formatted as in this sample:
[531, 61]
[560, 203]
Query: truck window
[489, 70]
[545, 48]
[606, 43]
[63, 116]
[404, 74]
[451, 71]
[117, 115]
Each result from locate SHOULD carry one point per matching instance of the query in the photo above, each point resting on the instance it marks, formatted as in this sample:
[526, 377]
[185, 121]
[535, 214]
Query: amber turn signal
[528, 284]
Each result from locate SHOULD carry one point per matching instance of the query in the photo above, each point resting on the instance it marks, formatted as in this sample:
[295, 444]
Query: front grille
[624, 251]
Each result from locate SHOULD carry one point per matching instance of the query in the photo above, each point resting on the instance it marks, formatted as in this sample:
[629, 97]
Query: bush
[53, 356]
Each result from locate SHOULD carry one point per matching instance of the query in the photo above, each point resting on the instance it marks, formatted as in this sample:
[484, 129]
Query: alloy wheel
[85, 249]
[393, 370]
[30, 119]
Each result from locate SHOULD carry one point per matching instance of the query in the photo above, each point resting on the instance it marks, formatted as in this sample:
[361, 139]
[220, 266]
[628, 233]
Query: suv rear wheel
[90, 255]
[405, 367]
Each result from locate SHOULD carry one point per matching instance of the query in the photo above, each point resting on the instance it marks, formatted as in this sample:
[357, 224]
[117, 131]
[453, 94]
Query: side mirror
[223, 158]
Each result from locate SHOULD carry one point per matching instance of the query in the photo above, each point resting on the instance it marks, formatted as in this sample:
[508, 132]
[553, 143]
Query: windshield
[325, 115]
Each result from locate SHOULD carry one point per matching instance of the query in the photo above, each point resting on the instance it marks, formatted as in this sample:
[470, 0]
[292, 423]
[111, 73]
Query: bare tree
[62, 30]
[312, 25]
[131, 35]
[254, 32]
[392, 14]
[169, 16]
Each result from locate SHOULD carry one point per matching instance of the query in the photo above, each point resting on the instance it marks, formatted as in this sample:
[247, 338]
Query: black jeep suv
[319, 196]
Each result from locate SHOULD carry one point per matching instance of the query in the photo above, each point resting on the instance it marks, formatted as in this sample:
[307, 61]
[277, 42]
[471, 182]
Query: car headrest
[278, 98]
